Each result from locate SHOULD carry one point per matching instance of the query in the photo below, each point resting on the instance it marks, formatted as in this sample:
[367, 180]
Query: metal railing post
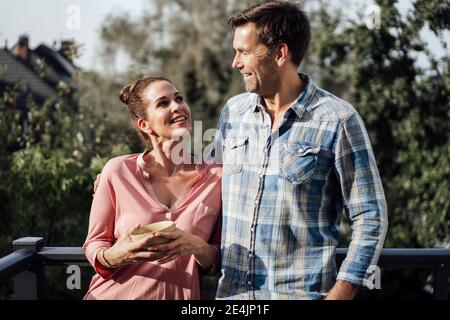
[441, 288]
[29, 285]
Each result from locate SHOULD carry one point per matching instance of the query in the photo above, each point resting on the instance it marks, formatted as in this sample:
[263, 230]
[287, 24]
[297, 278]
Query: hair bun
[125, 93]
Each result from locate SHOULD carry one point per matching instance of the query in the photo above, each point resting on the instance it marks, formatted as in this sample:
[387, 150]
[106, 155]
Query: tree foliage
[406, 109]
[50, 153]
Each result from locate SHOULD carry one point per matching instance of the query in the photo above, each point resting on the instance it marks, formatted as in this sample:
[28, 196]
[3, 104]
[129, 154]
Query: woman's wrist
[110, 258]
[105, 259]
[204, 254]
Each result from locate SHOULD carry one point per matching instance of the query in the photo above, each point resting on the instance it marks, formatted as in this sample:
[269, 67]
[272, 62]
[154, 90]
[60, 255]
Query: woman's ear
[143, 125]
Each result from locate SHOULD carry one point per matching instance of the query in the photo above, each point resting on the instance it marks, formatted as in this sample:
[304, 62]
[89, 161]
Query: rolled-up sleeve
[363, 200]
[101, 224]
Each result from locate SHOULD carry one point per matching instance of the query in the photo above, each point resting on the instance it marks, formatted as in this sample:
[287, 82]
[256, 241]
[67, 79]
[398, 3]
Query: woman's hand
[125, 251]
[184, 243]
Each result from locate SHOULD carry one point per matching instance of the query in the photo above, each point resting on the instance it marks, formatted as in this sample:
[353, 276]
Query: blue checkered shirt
[283, 194]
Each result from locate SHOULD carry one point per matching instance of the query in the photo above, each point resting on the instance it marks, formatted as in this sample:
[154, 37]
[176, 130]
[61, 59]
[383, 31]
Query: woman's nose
[175, 106]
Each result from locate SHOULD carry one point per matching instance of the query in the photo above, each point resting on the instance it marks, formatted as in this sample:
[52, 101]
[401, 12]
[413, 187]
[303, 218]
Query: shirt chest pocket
[298, 162]
[235, 149]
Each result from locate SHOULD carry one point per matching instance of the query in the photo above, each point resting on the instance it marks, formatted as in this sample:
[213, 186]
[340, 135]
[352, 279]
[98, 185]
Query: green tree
[187, 41]
[405, 108]
[50, 154]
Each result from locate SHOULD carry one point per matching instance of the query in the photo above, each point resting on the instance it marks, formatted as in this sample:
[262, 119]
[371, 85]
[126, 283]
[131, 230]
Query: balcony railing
[26, 264]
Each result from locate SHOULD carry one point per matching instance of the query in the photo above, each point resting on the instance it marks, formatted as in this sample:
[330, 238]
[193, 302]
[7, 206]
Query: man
[294, 157]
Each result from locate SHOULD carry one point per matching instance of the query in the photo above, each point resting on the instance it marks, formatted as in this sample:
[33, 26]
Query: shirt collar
[143, 166]
[298, 106]
[303, 100]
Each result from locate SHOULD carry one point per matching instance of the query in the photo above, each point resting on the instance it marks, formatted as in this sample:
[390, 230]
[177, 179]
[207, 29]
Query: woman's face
[168, 115]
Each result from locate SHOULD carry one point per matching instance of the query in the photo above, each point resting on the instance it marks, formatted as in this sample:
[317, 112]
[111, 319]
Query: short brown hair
[132, 95]
[278, 22]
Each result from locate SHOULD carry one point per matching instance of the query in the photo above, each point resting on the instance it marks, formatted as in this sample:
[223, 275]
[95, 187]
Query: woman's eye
[163, 104]
[179, 99]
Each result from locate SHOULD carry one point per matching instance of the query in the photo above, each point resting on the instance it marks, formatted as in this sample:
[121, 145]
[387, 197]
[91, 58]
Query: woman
[144, 188]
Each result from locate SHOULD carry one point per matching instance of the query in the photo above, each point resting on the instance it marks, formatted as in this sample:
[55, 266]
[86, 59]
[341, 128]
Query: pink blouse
[124, 198]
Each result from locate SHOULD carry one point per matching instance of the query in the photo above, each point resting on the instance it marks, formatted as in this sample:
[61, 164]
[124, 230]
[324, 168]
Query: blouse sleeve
[214, 243]
[101, 223]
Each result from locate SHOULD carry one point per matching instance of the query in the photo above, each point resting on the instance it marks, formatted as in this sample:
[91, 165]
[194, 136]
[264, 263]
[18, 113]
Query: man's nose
[237, 64]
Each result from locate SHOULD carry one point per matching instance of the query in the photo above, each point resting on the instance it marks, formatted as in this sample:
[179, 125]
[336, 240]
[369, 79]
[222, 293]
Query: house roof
[12, 69]
[56, 60]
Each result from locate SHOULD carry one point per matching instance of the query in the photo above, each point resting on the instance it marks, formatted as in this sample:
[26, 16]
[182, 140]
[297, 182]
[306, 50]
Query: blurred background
[62, 64]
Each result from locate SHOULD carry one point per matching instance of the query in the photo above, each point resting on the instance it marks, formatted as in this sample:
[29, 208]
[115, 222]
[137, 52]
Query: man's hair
[278, 22]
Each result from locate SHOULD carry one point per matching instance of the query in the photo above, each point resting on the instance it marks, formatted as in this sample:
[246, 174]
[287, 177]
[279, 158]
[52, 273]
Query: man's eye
[179, 99]
[162, 104]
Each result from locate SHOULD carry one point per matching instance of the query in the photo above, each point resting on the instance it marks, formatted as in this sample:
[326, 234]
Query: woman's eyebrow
[164, 97]
[160, 98]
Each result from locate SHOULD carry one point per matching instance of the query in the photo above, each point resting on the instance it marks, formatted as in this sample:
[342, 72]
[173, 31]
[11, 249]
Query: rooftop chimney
[20, 50]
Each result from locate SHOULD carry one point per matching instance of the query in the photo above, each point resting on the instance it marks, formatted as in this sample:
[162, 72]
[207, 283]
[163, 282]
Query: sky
[46, 21]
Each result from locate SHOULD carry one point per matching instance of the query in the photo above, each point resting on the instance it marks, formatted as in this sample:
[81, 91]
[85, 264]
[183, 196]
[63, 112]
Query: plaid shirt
[283, 193]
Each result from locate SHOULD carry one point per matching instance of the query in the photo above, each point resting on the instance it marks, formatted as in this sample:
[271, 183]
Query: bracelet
[107, 264]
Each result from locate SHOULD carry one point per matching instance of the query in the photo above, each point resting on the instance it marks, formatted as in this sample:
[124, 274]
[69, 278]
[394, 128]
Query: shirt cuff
[357, 274]
[104, 272]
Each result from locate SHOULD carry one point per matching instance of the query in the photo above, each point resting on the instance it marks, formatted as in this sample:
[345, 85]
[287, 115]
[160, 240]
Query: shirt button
[249, 283]
[261, 175]
[255, 202]
[250, 255]
[252, 229]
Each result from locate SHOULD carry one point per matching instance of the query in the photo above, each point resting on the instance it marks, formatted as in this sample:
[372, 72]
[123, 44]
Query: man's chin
[251, 88]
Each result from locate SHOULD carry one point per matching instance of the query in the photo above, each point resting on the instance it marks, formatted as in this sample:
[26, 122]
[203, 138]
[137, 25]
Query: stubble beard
[266, 79]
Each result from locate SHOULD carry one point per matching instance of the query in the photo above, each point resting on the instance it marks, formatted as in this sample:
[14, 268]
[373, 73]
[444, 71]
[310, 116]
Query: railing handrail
[30, 262]
[14, 263]
[417, 256]
[64, 255]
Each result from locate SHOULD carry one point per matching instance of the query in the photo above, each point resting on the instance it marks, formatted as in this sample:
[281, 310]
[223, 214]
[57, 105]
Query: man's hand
[342, 290]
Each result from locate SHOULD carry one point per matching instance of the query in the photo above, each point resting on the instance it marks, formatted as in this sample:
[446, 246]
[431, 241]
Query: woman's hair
[132, 96]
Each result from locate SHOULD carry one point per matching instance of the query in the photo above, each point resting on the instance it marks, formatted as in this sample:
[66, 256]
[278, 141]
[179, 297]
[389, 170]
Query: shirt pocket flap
[234, 154]
[235, 142]
[298, 161]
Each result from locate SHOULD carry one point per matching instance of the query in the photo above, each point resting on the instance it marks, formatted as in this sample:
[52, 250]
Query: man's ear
[281, 54]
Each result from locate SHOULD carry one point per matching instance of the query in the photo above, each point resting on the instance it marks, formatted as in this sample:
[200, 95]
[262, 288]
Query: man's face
[253, 60]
